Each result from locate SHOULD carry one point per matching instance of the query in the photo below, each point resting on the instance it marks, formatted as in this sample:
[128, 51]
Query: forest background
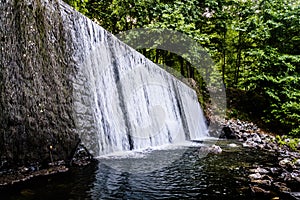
[255, 44]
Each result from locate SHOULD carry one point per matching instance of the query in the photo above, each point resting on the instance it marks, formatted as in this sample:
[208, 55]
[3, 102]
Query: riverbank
[278, 179]
[21, 174]
[284, 176]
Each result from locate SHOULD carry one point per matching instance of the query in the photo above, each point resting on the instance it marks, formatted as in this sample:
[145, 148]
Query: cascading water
[122, 100]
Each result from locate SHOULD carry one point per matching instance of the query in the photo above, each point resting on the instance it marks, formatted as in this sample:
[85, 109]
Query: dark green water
[215, 176]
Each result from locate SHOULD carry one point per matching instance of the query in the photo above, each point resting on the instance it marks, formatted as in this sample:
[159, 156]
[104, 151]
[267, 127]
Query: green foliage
[255, 44]
[280, 140]
[79, 5]
[291, 143]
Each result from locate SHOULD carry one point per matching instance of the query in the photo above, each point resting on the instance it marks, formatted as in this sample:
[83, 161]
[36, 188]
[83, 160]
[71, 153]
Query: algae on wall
[35, 84]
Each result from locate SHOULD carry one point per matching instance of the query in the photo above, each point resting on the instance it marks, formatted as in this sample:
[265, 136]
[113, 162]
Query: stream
[147, 175]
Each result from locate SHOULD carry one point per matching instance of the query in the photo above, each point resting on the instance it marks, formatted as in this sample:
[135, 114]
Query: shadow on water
[216, 176]
[73, 184]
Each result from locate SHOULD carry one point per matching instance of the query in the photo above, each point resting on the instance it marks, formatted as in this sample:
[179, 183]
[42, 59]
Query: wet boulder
[227, 133]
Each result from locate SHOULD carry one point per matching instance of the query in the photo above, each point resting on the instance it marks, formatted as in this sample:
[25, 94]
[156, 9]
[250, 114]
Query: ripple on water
[220, 176]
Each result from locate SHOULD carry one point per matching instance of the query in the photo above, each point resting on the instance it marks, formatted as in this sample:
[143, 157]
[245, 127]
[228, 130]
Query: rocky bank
[284, 177]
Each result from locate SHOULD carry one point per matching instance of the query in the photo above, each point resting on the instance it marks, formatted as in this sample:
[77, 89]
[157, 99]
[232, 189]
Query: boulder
[228, 133]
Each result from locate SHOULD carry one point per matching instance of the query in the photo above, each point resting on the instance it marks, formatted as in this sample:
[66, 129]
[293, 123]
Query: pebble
[232, 145]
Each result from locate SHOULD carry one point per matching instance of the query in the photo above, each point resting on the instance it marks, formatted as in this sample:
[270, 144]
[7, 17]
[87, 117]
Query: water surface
[147, 175]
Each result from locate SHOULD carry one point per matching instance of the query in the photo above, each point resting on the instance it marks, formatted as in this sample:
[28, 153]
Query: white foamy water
[123, 101]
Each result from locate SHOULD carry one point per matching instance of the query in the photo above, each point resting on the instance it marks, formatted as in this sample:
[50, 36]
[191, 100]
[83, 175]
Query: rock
[287, 140]
[284, 189]
[215, 149]
[81, 156]
[275, 147]
[286, 176]
[266, 177]
[227, 133]
[295, 195]
[255, 176]
[238, 122]
[296, 176]
[281, 187]
[258, 191]
[261, 182]
[232, 145]
[259, 170]
[248, 144]
[238, 136]
[263, 136]
[62, 169]
[268, 146]
[261, 146]
[286, 163]
[297, 162]
[245, 136]
[275, 170]
[23, 170]
[253, 144]
[278, 184]
[256, 138]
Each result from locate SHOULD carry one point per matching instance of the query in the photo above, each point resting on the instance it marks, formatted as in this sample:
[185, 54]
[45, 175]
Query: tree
[255, 44]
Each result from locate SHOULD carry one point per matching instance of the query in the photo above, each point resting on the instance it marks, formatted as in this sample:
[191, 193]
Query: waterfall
[123, 101]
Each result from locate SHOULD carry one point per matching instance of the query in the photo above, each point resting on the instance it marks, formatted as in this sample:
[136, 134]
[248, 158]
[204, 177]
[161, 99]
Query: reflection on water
[148, 160]
[220, 176]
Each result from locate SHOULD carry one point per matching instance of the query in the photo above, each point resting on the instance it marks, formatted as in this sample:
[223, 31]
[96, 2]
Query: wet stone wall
[35, 84]
[63, 77]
